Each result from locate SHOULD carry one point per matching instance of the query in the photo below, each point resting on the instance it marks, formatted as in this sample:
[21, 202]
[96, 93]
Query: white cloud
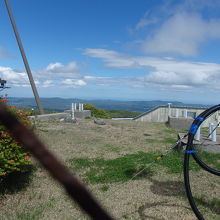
[59, 67]
[111, 58]
[177, 27]
[52, 67]
[145, 21]
[55, 74]
[47, 83]
[161, 72]
[182, 34]
[73, 83]
[17, 78]
[56, 70]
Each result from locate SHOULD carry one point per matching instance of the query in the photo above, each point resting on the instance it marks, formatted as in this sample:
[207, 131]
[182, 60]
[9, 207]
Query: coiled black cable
[190, 150]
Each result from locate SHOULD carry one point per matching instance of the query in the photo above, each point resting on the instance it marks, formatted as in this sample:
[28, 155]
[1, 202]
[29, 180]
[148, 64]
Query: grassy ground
[105, 158]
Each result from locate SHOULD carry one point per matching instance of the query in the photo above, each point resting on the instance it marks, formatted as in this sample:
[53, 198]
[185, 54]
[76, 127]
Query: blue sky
[114, 49]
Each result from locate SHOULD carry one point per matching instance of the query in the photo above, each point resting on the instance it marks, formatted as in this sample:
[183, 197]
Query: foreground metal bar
[37, 99]
[72, 185]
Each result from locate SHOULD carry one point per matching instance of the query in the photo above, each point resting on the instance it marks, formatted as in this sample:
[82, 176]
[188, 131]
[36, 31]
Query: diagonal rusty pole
[73, 186]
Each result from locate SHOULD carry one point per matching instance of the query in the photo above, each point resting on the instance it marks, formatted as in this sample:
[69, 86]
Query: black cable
[189, 150]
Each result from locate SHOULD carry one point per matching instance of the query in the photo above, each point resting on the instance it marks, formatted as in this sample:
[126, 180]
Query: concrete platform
[47, 117]
[180, 123]
[205, 144]
[80, 114]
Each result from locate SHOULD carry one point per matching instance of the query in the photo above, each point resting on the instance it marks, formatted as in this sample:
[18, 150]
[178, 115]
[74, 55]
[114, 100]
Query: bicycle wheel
[199, 151]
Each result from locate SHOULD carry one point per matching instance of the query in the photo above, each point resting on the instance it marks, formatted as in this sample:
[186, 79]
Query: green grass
[147, 134]
[213, 160]
[169, 140]
[122, 169]
[104, 188]
[122, 114]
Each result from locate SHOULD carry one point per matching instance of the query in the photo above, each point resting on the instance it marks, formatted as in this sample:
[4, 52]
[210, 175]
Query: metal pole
[37, 99]
[213, 136]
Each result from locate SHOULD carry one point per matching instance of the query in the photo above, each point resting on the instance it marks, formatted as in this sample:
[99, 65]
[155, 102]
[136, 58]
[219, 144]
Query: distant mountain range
[60, 104]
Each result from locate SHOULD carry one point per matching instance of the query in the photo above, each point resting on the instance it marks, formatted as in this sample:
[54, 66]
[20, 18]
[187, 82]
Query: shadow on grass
[16, 182]
[142, 209]
[176, 188]
[167, 188]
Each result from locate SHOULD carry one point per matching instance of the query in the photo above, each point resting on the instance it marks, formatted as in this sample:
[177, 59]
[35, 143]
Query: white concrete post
[169, 109]
[82, 107]
[213, 133]
[177, 113]
[72, 112]
[185, 113]
[75, 106]
[210, 130]
[197, 135]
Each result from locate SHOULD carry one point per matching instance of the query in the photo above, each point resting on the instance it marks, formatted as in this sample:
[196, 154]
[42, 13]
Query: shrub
[13, 157]
[96, 112]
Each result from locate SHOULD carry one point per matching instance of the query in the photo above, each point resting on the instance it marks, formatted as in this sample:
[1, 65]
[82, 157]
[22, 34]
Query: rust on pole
[72, 185]
[26, 64]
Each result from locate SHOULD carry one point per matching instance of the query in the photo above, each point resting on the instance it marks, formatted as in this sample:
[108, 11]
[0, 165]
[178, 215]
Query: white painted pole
[177, 113]
[213, 133]
[82, 107]
[72, 112]
[210, 130]
[75, 107]
[185, 113]
[197, 135]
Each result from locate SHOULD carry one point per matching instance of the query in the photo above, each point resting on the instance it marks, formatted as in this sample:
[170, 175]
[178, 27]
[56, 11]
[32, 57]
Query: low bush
[13, 157]
[96, 112]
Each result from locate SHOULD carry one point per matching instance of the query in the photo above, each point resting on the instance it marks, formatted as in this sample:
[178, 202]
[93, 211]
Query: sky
[114, 49]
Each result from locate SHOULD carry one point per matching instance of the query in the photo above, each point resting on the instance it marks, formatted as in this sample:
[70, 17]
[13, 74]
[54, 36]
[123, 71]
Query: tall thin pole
[37, 99]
